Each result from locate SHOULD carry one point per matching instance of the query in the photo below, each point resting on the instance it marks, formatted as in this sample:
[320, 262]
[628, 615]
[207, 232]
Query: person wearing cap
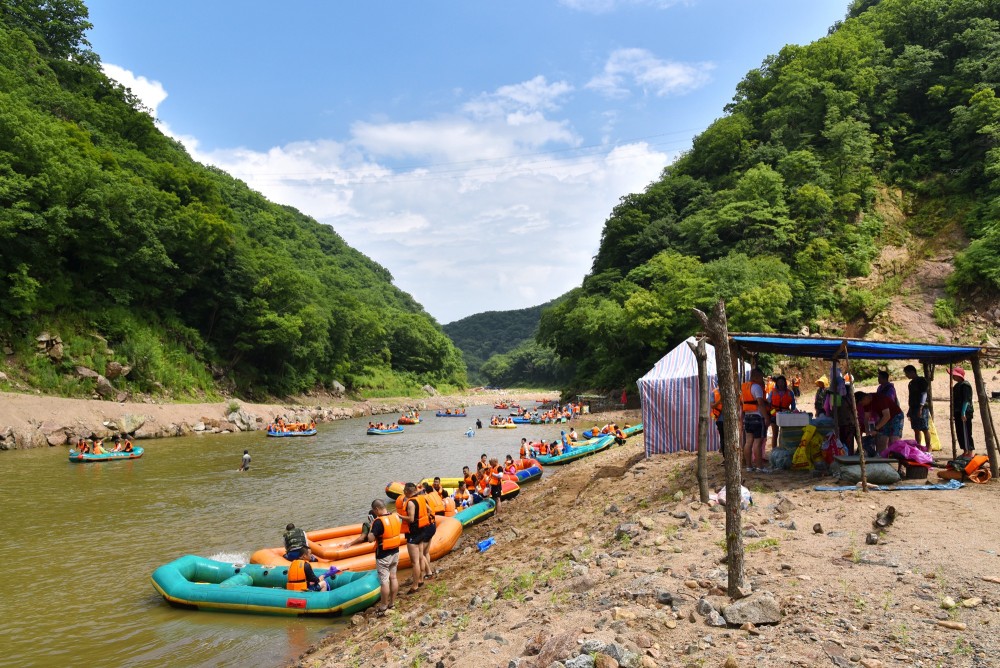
[961, 401]
[822, 385]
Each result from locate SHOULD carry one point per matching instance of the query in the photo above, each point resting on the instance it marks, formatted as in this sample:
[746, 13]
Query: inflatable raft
[440, 414]
[90, 457]
[506, 425]
[579, 450]
[509, 489]
[197, 583]
[476, 513]
[283, 434]
[406, 419]
[528, 470]
[448, 531]
[381, 432]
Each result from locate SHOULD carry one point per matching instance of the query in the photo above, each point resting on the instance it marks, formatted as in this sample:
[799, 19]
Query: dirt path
[611, 555]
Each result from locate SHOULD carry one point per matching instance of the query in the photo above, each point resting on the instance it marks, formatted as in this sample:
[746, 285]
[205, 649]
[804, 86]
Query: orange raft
[328, 547]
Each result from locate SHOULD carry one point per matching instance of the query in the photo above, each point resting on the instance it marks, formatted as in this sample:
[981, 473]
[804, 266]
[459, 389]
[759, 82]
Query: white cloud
[627, 68]
[470, 212]
[605, 6]
[151, 93]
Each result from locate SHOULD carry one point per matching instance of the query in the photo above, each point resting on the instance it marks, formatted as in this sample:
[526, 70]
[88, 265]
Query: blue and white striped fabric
[669, 394]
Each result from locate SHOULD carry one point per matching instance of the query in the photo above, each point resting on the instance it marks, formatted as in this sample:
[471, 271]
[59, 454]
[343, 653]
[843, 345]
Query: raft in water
[440, 414]
[284, 434]
[577, 452]
[197, 583]
[90, 458]
[372, 431]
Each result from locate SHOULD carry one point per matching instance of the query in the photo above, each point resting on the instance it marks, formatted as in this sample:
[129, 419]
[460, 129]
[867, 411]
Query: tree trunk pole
[701, 356]
[717, 330]
[986, 416]
[951, 413]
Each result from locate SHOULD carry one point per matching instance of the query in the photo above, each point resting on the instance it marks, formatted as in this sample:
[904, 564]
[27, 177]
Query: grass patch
[762, 544]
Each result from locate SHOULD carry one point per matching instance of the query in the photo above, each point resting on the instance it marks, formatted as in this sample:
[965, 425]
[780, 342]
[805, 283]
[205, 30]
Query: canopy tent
[669, 395]
[747, 346]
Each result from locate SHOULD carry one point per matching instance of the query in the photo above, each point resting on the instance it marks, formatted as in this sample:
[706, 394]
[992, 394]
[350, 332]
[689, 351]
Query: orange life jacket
[460, 496]
[401, 511]
[435, 503]
[524, 452]
[781, 400]
[496, 475]
[470, 482]
[297, 576]
[716, 404]
[450, 509]
[392, 532]
[746, 396]
[424, 516]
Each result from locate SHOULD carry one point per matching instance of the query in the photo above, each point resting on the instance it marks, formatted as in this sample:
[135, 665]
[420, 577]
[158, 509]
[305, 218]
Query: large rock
[84, 372]
[105, 388]
[336, 389]
[555, 648]
[429, 390]
[130, 423]
[114, 370]
[243, 420]
[149, 429]
[55, 351]
[55, 434]
[757, 608]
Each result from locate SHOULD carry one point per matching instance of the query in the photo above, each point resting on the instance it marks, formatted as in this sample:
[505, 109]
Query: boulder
[43, 338]
[757, 608]
[149, 429]
[84, 372]
[582, 661]
[429, 390]
[555, 648]
[129, 422]
[55, 351]
[114, 370]
[336, 389]
[199, 426]
[243, 420]
[55, 434]
[105, 388]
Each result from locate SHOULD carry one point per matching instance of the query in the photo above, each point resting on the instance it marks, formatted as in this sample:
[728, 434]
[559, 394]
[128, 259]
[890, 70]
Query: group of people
[96, 446]
[383, 426]
[498, 420]
[280, 426]
[880, 416]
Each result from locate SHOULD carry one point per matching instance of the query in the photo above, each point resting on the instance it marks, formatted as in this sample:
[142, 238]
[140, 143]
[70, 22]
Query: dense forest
[781, 202]
[506, 339]
[117, 242]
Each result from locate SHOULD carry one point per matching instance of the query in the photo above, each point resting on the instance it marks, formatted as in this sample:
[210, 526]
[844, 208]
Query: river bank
[33, 421]
[612, 561]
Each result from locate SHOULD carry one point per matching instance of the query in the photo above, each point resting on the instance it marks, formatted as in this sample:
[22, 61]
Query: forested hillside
[112, 238]
[483, 336]
[781, 204]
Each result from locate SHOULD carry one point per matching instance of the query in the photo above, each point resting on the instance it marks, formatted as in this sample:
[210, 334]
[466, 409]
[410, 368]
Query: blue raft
[380, 432]
[283, 434]
[477, 512]
[197, 583]
[90, 457]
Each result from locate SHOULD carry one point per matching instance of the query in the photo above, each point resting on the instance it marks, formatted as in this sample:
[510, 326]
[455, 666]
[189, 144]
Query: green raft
[477, 512]
[197, 583]
[577, 451]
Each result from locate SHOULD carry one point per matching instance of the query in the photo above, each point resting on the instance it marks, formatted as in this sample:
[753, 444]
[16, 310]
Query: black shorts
[753, 424]
[496, 491]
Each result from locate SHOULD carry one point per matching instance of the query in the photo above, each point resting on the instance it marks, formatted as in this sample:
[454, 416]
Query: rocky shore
[612, 561]
[34, 421]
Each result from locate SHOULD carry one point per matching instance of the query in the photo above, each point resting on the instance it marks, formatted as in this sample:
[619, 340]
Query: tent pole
[701, 357]
[986, 415]
[951, 411]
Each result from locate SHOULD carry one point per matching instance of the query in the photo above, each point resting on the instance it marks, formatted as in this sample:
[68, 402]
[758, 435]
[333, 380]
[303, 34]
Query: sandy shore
[31, 420]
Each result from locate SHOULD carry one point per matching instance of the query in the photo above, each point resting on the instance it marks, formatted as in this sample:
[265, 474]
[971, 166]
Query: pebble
[948, 603]
[971, 602]
[817, 528]
[954, 626]
[691, 584]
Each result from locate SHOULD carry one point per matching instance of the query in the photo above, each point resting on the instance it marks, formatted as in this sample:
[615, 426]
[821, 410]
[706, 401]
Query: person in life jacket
[509, 467]
[461, 495]
[387, 535]
[716, 410]
[422, 528]
[301, 576]
[495, 473]
[434, 501]
[755, 420]
[296, 542]
[780, 399]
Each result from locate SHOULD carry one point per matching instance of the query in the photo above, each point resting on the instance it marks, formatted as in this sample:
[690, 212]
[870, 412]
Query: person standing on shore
[386, 535]
[245, 464]
[917, 409]
[961, 400]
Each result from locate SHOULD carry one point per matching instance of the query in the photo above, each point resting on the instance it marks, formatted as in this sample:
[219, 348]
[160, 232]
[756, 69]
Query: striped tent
[669, 394]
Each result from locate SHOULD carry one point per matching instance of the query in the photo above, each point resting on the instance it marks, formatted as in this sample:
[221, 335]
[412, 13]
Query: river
[81, 540]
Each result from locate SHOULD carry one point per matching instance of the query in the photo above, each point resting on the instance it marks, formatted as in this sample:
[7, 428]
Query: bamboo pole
[986, 415]
[717, 330]
[951, 412]
[701, 357]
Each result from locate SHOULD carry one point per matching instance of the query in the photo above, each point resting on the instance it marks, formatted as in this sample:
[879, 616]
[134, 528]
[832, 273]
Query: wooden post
[701, 356]
[986, 416]
[717, 330]
[951, 412]
[857, 425]
[929, 377]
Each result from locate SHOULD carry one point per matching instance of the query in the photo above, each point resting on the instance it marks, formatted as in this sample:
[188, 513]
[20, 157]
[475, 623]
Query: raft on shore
[448, 531]
[578, 451]
[508, 490]
[197, 583]
[90, 457]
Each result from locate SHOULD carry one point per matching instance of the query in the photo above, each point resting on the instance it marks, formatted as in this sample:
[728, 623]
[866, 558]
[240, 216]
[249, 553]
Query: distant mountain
[483, 335]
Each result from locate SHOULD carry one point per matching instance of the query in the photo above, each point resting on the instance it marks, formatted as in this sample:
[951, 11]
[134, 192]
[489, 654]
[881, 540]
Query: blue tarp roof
[809, 346]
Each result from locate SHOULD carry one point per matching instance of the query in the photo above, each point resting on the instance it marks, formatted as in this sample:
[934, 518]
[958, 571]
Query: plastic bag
[745, 502]
[800, 459]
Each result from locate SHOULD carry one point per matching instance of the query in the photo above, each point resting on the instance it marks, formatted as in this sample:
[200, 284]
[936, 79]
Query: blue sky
[475, 149]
